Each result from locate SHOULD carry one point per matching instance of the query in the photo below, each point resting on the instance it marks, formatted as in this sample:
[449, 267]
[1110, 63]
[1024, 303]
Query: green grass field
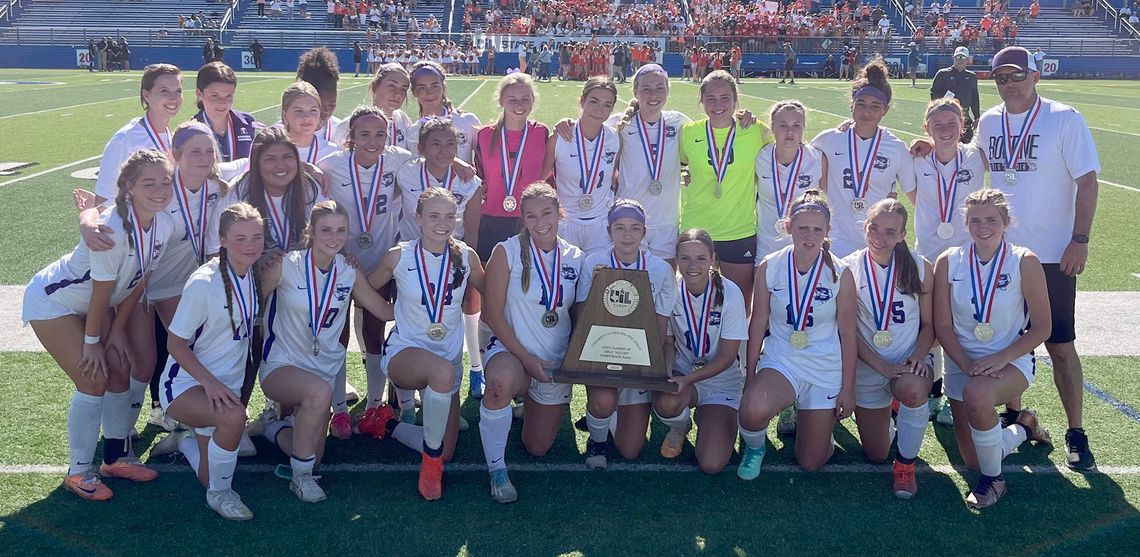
[649, 507]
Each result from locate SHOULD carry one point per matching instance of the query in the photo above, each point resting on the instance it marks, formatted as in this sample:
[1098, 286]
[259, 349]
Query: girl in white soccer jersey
[531, 283]
[301, 118]
[430, 91]
[864, 162]
[626, 226]
[584, 167]
[363, 175]
[389, 88]
[161, 96]
[650, 163]
[438, 150]
[80, 308]
[991, 309]
[300, 362]
[895, 335]
[804, 323]
[209, 345]
[425, 349]
[707, 326]
[943, 179]
[785, 169]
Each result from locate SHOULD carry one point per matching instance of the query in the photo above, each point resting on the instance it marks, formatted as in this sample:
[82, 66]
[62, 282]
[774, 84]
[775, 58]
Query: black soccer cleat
[1077, 453]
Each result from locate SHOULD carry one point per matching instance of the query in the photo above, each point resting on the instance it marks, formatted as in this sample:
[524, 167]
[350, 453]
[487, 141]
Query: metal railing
[226, 19]
[1118, 22]
[78, 36]
[8, 9]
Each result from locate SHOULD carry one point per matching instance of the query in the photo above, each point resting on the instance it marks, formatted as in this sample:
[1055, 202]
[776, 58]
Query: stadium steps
[74, 21]
[318, 31]
[1056, 32]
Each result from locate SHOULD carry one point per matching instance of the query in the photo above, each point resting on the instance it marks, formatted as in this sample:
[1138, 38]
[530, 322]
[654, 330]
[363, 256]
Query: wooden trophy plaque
[615, 341]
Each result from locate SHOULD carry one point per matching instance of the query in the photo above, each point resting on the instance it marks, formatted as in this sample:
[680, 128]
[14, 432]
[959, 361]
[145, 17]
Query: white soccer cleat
[159, 418]
[227, 503]
[305, 487]
[169, 444]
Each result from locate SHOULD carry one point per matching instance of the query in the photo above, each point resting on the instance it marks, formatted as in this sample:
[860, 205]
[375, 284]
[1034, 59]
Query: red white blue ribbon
[783, 193]
[143, 240]
[365, 202]
[654, 152]
[640, 265]
[719, 156]
[802, 299]
[984, 290]
[881, 298]
[433, 296]
[426, 178]
[947, 189]
[154, 135]
[551, 279]
[862, 173]
[1014, 144]
[589, 168]
[195, 230]
[511, 174]
[243, 292]
[320, 299]
[698, 323]
[278, 225]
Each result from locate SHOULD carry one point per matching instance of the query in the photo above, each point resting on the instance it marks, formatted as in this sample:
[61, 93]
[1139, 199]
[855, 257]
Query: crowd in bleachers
[998, 27]
[377, 15]
[198, 23]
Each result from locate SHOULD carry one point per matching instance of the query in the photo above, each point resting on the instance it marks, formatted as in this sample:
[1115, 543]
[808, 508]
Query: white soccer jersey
[317, 150]
[411, 309]
[904, 310]
[335, 131]
[466, 125]
[384, 231]
[820, 363]
[136, 135]
[240, 192]
[892, 164]
[662, 209]
[661, 277]
[568, 174]
[1009, 315]
[728, 322]
[806, 170]
[927, 174]
[208, 319]
[67, 282]
[411, 181]
[1058, 149]
[288, 336]
[524, 310]
[187, 248]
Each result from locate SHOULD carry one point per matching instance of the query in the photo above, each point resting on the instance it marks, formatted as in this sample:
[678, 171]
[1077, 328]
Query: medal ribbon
[984, 291]
[862, 172]
[589, 171]
[698, 323]
[231, 138]
[246, 301]
[320, 300]
[197, 232]
[881, 300]
[314, 152]
[551, 280]
[365, 204]
[1015, 144]
[153, 134]
[510, 176]
[801, 302]
[783, 195]
[720, 156]
[947, 189]
[654, 157]
[426, 178]
[143, 239]
[277, 225]
[433, 299]
[639, 265]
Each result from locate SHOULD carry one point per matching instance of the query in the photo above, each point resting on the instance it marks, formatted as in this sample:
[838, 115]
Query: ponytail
[909, 282]
[458, 269]
[829, 259]
[627, 116]
[524, 258]
[228, 285]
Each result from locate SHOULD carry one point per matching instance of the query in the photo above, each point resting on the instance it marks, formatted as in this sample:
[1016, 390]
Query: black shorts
[789, 65]
[742, 251]
[493, 230]
[1062, 303]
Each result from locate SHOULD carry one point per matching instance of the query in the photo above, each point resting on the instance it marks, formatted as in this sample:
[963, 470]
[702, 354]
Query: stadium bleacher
[72, 22]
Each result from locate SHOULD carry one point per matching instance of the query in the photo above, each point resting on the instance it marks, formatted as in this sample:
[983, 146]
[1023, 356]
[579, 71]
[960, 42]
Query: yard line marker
[66, 107]
[1114, 131]
[49, 171]
[1121, 186]
[1105, 396]
[410, 467]
[469, 97]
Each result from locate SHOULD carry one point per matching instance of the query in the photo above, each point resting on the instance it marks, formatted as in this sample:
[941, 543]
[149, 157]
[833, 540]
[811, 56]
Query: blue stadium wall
[286, 60]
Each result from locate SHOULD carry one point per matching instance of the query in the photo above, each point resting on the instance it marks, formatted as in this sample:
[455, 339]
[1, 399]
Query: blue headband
[871, 91]
[431, 69]
[626, 209]
[811, 206]
[181, 136]
[650, 68]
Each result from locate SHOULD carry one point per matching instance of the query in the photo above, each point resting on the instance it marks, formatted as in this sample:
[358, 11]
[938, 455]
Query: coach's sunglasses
[1016, 77]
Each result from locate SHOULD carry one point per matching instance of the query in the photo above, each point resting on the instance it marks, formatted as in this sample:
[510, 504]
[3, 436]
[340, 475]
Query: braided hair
[128, 174]
[533, 192]
[238, 212]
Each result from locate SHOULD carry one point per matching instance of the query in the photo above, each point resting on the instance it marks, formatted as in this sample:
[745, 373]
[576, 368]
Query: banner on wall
[1049, 66]
[247, 60]
[510, 43]
[82, 58]
[895, 65]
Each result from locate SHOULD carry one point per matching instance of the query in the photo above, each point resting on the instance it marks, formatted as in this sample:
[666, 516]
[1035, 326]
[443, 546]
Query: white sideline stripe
[66, 107]
[16, 469]
[472, 95]
[50, 170]
[1103, 181]
[1114, 131]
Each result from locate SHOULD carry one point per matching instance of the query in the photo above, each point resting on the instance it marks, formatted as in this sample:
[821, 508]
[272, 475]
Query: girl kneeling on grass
[80, 308]
[425, 349]
[209, 346]
[990, 310]
[708, 323]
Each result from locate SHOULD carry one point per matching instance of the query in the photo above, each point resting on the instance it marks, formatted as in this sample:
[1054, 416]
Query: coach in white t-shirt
[1041, 154]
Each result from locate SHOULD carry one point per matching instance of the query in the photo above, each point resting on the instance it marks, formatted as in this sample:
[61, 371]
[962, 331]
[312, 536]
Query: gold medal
[510, 203]
[882, 339]
[799, 340]
[436, 331]
[983, 332]
[549, 319]
[699, 363]
[364, 241]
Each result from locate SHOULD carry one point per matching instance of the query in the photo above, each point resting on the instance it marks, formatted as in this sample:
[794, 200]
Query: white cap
[911, 43]
[962, 51]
